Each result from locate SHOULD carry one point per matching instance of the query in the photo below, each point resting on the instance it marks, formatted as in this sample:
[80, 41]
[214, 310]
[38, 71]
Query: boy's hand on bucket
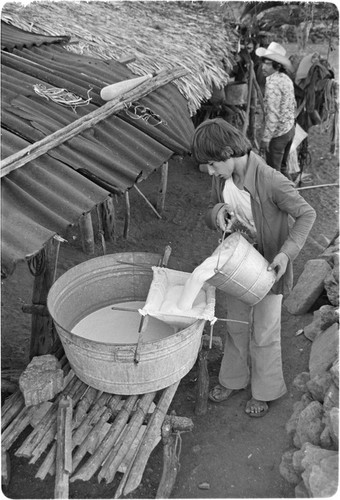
[221, 217]
[279, 265]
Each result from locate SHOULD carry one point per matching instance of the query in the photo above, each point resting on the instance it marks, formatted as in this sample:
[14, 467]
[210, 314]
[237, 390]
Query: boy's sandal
[219, 393]
[260, 404]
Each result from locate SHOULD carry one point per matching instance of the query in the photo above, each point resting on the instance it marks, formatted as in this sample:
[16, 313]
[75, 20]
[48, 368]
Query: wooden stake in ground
[202, 382]
[64, 448]
[170, 460]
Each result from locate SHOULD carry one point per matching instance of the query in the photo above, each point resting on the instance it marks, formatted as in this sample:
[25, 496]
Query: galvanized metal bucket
[244, 275]
[104, 281]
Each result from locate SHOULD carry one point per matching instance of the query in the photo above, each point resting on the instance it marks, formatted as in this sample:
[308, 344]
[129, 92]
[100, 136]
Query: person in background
[280, 106]
[261, 198]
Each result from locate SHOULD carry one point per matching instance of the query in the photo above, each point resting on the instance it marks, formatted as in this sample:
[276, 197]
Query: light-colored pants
[253, 352]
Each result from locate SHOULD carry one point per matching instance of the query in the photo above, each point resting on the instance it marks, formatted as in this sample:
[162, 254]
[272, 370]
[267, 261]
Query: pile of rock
[312, 463]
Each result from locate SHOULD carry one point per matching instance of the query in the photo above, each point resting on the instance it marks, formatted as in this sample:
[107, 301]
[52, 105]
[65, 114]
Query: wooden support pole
[127, 215]
[64, 448]
[87, 234]
[42, 331]
[170, 460]
[147, 201]
[250, 85]
[41, 147]
[163, 187]
[108, 212]
[202, 382]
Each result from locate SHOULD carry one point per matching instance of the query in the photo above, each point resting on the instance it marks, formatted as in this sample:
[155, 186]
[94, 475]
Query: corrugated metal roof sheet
[36, 201]
[14, 37]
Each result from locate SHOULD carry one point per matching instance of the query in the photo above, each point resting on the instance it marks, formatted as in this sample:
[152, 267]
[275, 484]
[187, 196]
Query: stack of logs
[84, 430]
[312, 463]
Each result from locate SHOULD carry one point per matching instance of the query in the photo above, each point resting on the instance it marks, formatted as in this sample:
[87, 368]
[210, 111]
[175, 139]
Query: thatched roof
[158, 34]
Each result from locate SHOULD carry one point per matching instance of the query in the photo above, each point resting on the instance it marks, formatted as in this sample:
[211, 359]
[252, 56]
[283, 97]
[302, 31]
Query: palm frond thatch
[158, 34]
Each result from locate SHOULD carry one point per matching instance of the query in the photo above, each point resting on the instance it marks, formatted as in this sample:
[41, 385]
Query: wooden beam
[41, 147]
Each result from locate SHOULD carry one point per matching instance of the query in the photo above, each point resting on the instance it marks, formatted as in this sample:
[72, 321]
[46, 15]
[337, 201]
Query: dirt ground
[238, 457]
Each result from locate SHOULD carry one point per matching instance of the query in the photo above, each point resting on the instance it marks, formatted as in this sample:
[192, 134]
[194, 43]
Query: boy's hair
[217, 140]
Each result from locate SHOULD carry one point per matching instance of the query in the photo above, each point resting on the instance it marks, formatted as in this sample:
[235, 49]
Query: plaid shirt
[279, 105]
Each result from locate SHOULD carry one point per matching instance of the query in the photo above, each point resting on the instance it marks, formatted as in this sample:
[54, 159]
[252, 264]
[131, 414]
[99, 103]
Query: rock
[301, 491]
[328, 316]
[334, 371]
[322, 319]
[312, 455]
[297, 457]
[326, 441]
[324, 351]
[331, 398]
[308, 287]
[41, 380]
[321, 480]
[301, 380]
[309, 425]
[204, 486]
[286, 468]
[313, 329]
[319, 385]
[298, 407]
[331, 285]
[334, 425]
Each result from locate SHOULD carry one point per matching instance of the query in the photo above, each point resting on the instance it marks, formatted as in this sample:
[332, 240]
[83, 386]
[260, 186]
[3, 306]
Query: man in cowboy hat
[280, 106]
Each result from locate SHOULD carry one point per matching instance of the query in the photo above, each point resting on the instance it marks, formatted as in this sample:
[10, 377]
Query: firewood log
[151, 432]
[64, 448]
[92, 465]
[170, 461]
[90, 419]
[11, 408]
[118, 452]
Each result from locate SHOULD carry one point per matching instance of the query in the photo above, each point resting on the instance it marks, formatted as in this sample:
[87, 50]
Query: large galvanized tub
[105, 281]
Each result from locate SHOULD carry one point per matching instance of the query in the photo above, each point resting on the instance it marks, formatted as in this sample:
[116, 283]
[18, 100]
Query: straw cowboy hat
[275, 52]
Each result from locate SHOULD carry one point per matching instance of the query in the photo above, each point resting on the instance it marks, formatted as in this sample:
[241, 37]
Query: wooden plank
[41, 147]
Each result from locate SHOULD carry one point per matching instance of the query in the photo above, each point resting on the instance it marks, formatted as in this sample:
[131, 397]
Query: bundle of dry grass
[158, 34]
